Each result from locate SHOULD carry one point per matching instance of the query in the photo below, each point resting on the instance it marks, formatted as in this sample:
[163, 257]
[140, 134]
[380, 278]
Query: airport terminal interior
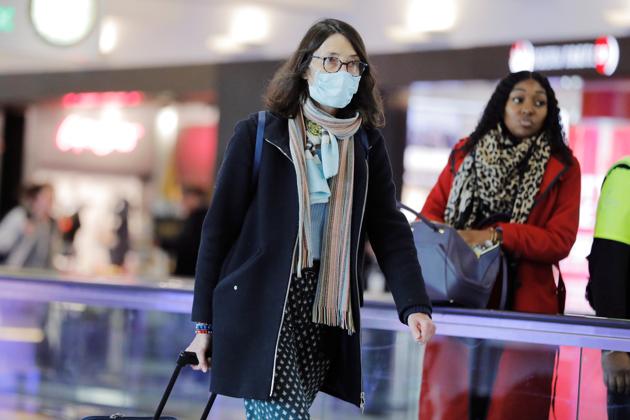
[123, 112]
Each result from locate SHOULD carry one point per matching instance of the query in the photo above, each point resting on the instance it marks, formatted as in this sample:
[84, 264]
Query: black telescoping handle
[418, 215]
[185, 358]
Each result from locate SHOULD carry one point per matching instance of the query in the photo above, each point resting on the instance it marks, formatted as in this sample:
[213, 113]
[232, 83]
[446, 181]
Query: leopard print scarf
[498, 177]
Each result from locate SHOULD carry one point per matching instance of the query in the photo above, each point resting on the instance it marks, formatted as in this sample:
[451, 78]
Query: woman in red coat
[513, 180]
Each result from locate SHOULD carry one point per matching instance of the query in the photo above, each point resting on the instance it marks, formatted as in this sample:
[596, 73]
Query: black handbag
[185, 358]
[454, 273]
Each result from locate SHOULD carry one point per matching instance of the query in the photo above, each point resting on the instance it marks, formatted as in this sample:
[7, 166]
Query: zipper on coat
[286, 297]
[356, 277]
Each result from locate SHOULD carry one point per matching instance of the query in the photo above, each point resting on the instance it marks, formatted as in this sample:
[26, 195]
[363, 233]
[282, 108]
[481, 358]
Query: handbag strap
[260, 130]
[504, 282]
[561, 291]
[364, 141]
[424, 219]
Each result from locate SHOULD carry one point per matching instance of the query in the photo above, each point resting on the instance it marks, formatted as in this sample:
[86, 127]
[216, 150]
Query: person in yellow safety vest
[609, 284]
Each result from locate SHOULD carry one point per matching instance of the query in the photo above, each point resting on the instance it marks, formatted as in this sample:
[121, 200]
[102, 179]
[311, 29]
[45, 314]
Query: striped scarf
[332, 304]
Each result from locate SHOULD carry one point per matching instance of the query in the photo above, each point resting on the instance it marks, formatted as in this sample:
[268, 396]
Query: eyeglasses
[334, 64]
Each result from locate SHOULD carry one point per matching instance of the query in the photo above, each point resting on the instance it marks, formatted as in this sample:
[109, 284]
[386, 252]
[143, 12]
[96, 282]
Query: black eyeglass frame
[362, 66]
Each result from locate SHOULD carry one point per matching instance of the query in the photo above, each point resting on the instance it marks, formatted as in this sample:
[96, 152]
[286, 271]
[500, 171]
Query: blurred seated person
[185, 246]
[28, 233]
[609, 285]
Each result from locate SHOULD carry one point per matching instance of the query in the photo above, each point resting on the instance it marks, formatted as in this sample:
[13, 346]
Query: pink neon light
[78, 134]
[98, 99]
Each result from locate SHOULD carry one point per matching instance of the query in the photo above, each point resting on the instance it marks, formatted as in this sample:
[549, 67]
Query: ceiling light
[618, 17]
[224, 44]
[108, 39]
[424, 17]
[249, 25]
[431, 15]
[63, 22]
[403, 34]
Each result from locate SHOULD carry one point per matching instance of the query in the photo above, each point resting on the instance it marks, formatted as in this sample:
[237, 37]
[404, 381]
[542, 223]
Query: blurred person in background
[609, 284]
[185, 246]
[69, 226]
[277, 289]
[513, 181]
[121, 238]
[28, 233]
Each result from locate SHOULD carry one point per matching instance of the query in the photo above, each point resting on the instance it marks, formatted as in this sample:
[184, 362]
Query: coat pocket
[230, 281]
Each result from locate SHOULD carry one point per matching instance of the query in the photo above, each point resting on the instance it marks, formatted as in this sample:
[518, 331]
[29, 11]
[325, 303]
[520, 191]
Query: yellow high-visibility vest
[613, 209]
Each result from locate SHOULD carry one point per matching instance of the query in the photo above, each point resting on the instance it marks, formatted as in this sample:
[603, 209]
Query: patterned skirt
[301, 364]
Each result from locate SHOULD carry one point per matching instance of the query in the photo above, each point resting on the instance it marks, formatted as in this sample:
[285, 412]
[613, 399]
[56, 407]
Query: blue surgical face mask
[334, 89]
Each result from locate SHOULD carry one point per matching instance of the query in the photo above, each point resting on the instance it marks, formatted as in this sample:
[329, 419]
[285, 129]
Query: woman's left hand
[421, 326]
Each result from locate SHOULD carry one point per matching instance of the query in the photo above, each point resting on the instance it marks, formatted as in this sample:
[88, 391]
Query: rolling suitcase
[185, 358]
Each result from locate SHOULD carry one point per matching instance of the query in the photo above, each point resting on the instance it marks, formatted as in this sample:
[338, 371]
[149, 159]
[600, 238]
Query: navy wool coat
[245, 260]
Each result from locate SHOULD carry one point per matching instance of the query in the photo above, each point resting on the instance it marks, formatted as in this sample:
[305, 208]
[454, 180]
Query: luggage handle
[185, 358]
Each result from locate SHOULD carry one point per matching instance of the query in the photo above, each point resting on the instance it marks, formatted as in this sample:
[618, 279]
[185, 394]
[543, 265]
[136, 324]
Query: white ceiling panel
[172, 32]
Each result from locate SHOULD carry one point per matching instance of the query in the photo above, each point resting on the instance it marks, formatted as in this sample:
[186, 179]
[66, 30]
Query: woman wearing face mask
[277, 284]
[513, 181]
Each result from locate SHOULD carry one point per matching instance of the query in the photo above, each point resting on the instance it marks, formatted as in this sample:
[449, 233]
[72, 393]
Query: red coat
[543, 241]
[523, 386]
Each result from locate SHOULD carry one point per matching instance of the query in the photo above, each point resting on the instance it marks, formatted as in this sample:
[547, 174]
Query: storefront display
[117, 161]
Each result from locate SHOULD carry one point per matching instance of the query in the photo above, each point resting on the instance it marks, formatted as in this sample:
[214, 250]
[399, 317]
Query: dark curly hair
[288, 88]
[493, 114]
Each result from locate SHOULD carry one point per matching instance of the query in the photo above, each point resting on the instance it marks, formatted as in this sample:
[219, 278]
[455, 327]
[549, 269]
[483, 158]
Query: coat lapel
[553, 173]
[277, 134]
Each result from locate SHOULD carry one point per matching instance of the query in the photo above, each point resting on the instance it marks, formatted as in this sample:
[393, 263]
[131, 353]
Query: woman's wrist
[499, 233]
[496, 235]
[203, 328]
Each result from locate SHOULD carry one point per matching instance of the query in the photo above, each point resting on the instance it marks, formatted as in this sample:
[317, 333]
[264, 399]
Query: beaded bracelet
[203, 328]
[497, 235]
[493, 236]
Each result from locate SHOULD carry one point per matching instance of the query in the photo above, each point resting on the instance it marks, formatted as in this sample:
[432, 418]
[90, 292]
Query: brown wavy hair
[288, 88]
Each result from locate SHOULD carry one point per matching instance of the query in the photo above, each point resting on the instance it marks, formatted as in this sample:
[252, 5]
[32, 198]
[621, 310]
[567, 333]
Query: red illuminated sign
[601, 55]
[101, 137]
[99, 99]
[606, 55]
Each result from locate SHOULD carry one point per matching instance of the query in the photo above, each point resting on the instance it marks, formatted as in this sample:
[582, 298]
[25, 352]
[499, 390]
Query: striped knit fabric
[318, 221]
[332, 301]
